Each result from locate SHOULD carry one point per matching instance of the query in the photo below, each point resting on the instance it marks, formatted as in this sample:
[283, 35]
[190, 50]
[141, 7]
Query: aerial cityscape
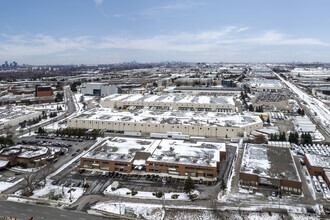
[164, 110]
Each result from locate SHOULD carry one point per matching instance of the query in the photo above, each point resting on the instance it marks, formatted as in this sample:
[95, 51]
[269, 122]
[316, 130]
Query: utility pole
[164, 182]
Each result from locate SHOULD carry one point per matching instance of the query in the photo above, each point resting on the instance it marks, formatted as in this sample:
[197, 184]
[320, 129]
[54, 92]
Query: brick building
[318, 165]
[270, 167]
[43, 91]
[164, 157]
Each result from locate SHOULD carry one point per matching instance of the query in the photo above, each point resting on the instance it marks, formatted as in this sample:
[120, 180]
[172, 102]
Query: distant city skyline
[100, 32]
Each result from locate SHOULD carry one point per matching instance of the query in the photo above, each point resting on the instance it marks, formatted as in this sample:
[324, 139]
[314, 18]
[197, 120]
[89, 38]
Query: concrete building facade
[99, 89]
[227, 126]
[178, 102]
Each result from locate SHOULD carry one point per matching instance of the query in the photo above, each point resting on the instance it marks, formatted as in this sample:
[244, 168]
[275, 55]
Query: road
[24, 211]
[314, 104]
[71, 109]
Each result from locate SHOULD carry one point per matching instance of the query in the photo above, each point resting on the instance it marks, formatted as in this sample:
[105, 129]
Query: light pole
[164, 182]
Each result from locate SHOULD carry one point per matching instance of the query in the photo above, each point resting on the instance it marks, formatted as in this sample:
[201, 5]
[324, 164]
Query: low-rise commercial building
[201, 160]
[174, 101]
[206, 124]
[318, 165]
[29, 156]
[270, 167]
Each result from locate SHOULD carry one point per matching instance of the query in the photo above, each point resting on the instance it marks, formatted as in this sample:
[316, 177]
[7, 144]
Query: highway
[25, 211]
[314, 104]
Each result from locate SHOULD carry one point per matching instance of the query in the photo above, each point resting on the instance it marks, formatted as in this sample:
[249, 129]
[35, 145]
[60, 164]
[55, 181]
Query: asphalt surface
[25, 211]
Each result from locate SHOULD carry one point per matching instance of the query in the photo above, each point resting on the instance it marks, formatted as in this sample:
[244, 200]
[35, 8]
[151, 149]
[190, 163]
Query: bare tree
[44, 172]
[29, 186]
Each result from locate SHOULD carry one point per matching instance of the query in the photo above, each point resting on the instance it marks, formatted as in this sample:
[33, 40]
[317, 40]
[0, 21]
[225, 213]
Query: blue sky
[112, 31]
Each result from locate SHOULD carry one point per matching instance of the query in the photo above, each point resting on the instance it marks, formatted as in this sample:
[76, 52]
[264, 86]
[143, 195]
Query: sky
[42, 32]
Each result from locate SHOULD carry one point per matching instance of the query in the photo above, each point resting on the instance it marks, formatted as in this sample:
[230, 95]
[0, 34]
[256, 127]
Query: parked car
[250, 190]
[74, 154]
[310, 210]
[81, 171]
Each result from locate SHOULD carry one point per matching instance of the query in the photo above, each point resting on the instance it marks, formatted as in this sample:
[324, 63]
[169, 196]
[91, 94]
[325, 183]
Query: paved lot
[54, 166]
[25, 211]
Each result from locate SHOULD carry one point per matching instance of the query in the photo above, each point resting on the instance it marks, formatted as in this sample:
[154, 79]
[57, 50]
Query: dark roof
[207, 89]
[43, 88]
[142, 155]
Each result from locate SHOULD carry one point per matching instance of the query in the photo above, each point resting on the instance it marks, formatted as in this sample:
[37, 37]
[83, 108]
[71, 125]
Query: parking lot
[131, 181]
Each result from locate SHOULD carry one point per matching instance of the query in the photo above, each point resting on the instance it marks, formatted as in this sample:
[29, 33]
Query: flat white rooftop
[170, 98]
[177, 151]
[167, 151]
[171, 117]
[318, 160]
[13, 112]
[122, 149]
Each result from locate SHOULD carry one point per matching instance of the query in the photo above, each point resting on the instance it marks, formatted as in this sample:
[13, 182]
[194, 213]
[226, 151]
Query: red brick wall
[45, 93]
[182, 169]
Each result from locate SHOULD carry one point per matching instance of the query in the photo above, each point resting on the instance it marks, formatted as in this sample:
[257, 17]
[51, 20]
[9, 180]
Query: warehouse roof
[270, 162]
[171, 117]
[172, 98]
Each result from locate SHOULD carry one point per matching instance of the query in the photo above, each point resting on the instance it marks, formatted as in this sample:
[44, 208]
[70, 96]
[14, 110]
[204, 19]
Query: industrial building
[265, 85]
[205, 124]
[318, 165]
[99, 89]
[13, 116]
[174, 101]
[208, 90]
[163, 157]
[269, 167]
[304, 124]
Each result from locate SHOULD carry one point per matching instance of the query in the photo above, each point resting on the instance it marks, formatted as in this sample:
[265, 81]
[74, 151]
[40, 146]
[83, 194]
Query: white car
[10, 179]
[320, 179]
[327, 196]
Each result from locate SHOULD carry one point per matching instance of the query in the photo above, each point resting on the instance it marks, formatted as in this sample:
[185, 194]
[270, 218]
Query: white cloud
[227, 41]
[98, 2]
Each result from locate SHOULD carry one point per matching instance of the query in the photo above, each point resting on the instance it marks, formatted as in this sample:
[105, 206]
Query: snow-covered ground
[43, 193]
[27, 170]
[147, 211]
[124, 192]
[6, 185]
[152, 211]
